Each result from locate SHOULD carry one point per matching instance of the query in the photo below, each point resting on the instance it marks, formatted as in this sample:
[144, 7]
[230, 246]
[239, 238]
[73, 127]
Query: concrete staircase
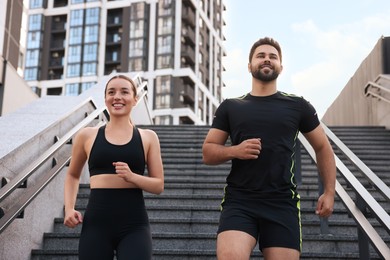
[184, 218]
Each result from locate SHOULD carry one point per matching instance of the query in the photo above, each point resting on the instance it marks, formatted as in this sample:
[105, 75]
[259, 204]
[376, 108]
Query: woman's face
[120, 97]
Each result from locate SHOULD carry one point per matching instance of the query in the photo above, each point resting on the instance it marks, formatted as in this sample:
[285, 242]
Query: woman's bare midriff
[109, 181]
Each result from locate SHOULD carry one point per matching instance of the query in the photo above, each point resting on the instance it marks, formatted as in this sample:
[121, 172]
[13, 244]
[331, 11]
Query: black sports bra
[104, 153]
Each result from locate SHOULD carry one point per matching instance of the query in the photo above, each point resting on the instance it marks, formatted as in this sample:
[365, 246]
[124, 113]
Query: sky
[323, 43]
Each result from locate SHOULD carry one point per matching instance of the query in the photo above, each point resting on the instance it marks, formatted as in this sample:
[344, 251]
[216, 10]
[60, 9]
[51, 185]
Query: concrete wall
[16, 92]
[352, 107]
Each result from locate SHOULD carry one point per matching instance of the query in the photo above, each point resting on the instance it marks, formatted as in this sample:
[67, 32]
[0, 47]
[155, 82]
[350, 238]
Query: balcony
[188, 55]
[188, 16]
[189, 35]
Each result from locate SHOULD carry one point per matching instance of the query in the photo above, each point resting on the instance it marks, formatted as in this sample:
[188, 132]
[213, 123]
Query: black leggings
[115, 222]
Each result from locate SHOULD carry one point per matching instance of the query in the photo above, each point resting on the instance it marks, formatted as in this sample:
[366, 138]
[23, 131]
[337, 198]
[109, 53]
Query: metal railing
[33, 191]
[44, 180]
[366, 232]
[376, 90]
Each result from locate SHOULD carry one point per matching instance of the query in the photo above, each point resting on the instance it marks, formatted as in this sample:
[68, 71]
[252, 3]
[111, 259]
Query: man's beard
[258, 74]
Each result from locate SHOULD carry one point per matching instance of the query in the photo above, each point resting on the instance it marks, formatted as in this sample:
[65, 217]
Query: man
[261, 203]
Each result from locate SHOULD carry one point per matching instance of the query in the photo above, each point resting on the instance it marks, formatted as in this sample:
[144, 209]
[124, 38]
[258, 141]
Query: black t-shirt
[277, 120]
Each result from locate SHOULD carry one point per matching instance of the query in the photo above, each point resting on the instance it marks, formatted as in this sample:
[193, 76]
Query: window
[89, 69]
[31, 74]
[33, 40]
[165, 7]
[165, 25]
[36, 4]
[164, 44]
[76, 35]
[163, 92]
[136, 64]
[90, 52]
[86, 85]
[32, 58]
[137, 29]
[76, 17]
[91, 34]
[92, 16]
[35, 22]
[72, 89]
[163, 101]
[136, 48]
[163, 84]
[73, 70]
[162, 120]
[137, 10]
[164, 62]
[74, 54]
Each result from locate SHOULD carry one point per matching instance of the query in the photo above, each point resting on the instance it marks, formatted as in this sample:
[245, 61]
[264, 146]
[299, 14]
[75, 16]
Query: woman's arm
[72, 178]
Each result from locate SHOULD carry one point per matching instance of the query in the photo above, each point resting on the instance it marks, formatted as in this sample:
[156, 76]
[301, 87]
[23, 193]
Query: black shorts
[272, 222]
[115, 222]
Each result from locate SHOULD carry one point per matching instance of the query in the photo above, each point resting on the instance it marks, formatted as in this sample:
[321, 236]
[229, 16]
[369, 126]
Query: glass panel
[36, 4]
[90, 52]
[89, 69]
[32, 58]
[136, 48]
[164, 44]
[165, 7]
[86, 85]
[76, 35]
[76, 17]
[92, 16]
[73, 70]
[136, 29]
[33, 40]
[35, 22]
[136, 64]
[91, 34]
[31, 74]
[74, 54]
[165, 25]
[72, 89]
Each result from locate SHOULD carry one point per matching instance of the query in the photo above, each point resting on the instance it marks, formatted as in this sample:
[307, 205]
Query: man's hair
[265, 41]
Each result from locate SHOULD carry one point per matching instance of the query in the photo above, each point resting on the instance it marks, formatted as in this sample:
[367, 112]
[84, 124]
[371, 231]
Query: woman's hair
[265, 41]
[120, 76]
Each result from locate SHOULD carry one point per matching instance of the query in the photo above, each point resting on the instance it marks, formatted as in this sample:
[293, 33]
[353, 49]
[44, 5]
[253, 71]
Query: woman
[115, 220]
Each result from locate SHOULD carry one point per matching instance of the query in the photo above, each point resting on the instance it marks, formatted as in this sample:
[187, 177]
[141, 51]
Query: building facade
[14, 92]
[175, 45]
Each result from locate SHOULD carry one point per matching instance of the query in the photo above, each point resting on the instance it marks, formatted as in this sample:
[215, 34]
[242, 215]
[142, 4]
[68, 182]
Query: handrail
[30, 194]
[382, 216]
[31, 168]
[33, 191]
[367, 172]
[372, 84]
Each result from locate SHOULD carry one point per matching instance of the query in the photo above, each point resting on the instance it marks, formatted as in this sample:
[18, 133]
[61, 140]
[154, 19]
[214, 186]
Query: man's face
[265, 64]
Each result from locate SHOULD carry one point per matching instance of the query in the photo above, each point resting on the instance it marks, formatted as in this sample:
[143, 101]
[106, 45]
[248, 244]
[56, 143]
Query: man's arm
[215, 152]
[327, 169]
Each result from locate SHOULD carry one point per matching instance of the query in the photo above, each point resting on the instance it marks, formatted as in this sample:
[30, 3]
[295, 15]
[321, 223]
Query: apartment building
[14, 92]
[174, 45]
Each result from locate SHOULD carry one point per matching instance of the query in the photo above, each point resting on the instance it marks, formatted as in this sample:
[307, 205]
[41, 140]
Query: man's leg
[233, 245]
[280, 253]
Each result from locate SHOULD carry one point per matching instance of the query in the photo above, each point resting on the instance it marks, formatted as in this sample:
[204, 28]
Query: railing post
[364, 250]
